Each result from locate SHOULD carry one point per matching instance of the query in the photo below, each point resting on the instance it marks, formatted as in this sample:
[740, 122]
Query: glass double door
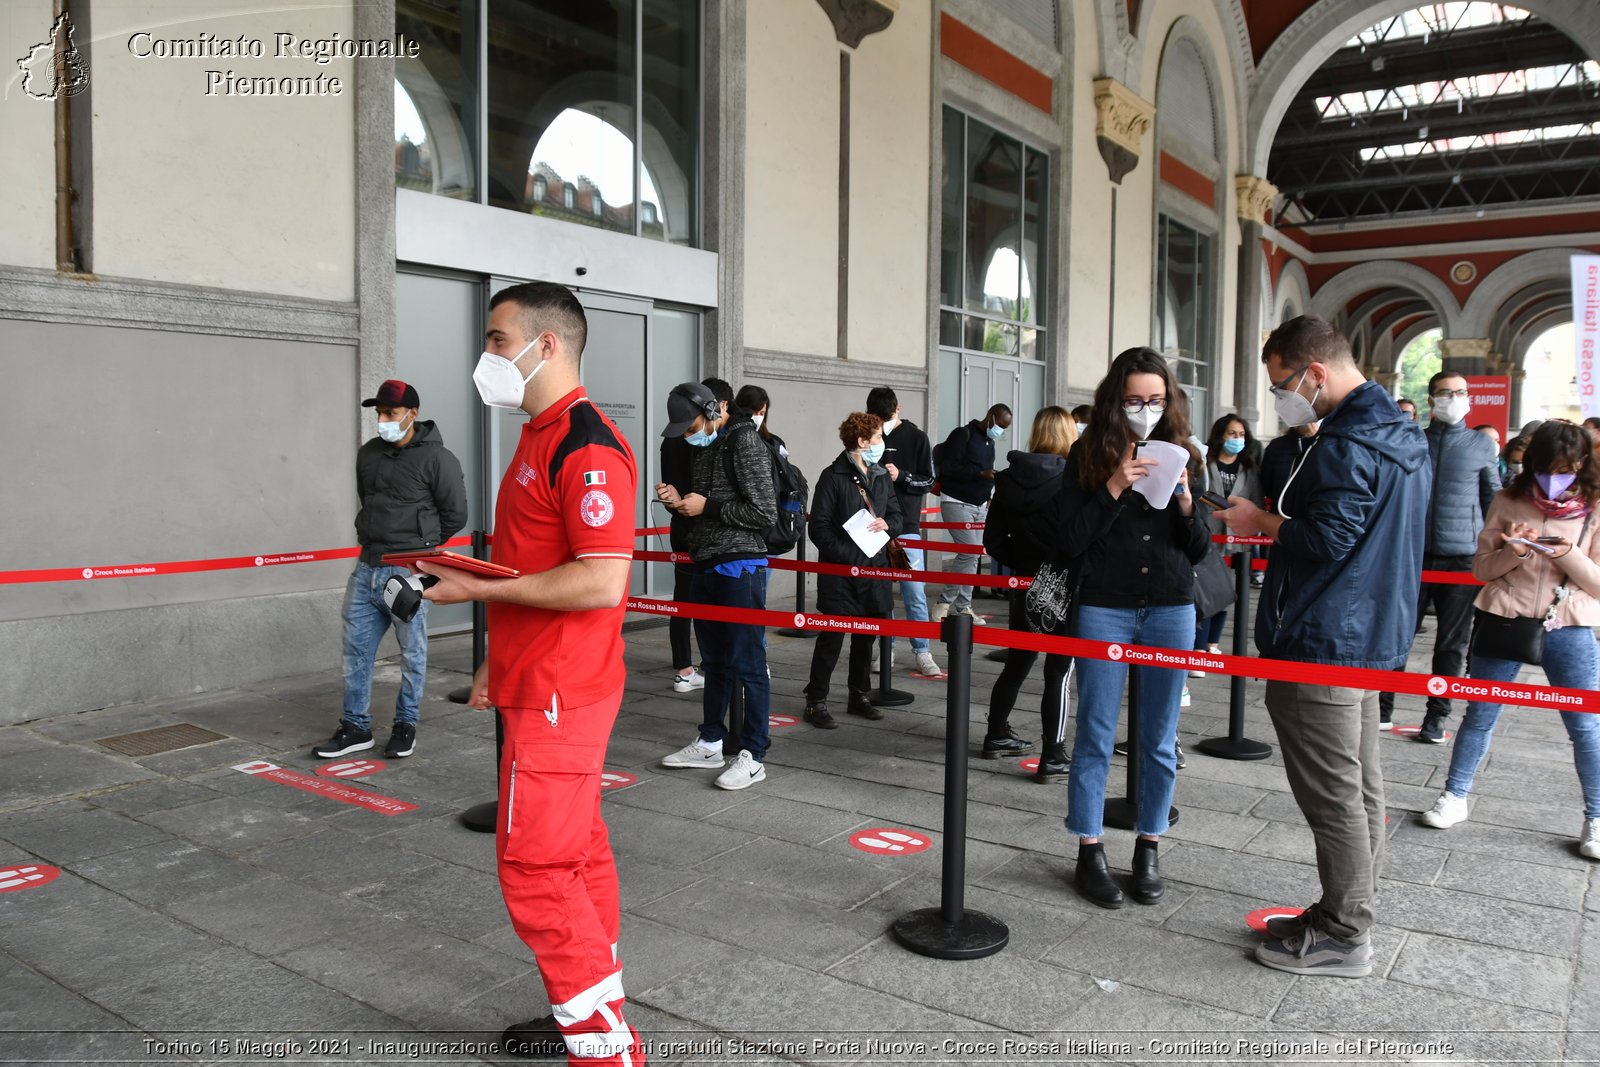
[636, 352]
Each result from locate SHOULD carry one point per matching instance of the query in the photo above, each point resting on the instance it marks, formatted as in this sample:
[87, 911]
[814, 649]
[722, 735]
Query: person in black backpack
[966, 478]
[908, 457]
[787, 481]
[855, 482]
[1020, 534]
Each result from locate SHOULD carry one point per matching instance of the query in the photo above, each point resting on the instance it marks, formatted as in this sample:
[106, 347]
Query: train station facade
[223, 229]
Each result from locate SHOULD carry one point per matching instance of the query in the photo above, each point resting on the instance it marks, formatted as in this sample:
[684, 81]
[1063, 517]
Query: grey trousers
[959, 597]
[1329, 737]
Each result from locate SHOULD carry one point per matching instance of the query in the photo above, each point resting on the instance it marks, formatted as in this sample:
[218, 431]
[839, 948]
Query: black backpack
[792, 490]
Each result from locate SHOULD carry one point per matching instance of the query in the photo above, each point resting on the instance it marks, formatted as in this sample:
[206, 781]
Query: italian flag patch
[594, 477]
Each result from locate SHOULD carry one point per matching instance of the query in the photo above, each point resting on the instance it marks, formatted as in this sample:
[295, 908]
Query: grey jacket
[411, 498]
[1246, 485]
[1466, 476]
[737, 508]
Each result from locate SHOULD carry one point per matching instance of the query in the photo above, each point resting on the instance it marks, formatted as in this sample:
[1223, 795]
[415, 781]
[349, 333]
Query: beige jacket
[1526, 587]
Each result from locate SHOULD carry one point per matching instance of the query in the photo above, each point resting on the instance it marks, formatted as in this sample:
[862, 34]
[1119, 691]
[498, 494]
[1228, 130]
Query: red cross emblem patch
[596, 507]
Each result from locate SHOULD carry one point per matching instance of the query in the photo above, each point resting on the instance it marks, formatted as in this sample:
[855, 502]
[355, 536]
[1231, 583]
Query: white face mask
[1144, 420]
[889, 426]
[1292, 407]
[499, 383]
[392, 431]
[1452, 409]
[758, 419]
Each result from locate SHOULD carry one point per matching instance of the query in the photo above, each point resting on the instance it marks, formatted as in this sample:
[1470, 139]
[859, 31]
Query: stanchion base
[973, 937]
[790, 631]
[459, 696]
[1228, 748]
[997, 655]
[481, 818]
[892, 698]
[1123, 814]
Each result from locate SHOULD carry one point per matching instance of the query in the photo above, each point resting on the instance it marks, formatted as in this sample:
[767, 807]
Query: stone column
[1122, 118]
[1253, 198]
[1465, 355]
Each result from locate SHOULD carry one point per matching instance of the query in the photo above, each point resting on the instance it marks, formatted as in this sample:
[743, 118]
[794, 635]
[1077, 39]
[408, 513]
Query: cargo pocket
[550, 800]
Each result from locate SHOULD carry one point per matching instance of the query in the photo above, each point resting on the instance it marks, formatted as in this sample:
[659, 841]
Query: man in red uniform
[565, 519]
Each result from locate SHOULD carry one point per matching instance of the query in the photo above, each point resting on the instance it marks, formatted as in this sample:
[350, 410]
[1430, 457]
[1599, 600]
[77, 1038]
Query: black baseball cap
[686, 403]
[394, 394]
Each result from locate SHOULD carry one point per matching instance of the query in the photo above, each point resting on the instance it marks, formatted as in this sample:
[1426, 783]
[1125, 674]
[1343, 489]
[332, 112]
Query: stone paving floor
[208, 915]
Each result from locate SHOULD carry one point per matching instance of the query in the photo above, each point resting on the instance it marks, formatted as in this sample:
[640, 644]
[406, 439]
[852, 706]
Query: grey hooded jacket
[737, 508]
[1466, 476]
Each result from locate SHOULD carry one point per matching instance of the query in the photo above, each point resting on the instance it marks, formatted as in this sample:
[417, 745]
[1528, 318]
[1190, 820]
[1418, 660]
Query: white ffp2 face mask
[500, 384]
[1144, 421]
[1452, 409]
[1292, 406]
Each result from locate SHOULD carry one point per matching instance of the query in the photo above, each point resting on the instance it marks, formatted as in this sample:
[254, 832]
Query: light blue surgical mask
[701, 439]
[872, 453]
[392, 432]
[996, 432]
[1233, 445]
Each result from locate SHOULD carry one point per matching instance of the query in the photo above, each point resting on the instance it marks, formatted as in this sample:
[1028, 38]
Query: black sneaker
[536, 1039]
[1005, 744]
[1120, 748]
[345, 740]
[402, 741]
[817, 715]
[1432, 729]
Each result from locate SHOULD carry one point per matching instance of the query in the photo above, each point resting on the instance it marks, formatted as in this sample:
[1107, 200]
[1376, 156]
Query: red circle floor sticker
[887, 839]
[351, 768]
[781, 720]
[1411, 731]
[14, 878]
[616, 779]
[1257, 920]
[1030, 764]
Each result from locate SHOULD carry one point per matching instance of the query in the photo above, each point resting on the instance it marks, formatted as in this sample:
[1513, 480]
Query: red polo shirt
[567, 495]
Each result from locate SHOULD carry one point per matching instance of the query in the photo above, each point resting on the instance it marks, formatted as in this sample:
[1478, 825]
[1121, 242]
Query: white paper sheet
[1158, 482]
[869, 541]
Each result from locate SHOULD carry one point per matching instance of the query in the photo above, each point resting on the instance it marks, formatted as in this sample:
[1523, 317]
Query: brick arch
[1508, 279]
[1345, 286]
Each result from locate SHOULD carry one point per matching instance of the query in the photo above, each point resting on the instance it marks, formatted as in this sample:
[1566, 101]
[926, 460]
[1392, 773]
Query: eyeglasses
[1445, 394]
[1133, 403]
[1283, 386]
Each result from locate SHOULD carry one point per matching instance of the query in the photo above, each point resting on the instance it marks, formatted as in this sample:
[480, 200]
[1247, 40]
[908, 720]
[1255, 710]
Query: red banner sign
[1490, 397]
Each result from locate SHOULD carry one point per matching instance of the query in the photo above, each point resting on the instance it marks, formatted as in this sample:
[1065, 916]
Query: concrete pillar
[1253, 198]
[1465, 355]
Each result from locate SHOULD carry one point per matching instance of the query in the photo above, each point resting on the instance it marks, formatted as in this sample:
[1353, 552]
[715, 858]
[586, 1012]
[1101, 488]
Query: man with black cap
[413, 496]
[733, 501]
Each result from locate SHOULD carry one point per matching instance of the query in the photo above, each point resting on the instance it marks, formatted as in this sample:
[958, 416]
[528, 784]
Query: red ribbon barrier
[940, 546]
[807, 621]
[988, 581]
[953, 525]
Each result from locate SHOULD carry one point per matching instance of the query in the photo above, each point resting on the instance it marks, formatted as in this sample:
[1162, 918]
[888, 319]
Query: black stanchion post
[998, 655]
[1236, 745]
[887, 696]
[799, 593]
[481, 818]
[1123, 812]
[480, 625]
[950, 932]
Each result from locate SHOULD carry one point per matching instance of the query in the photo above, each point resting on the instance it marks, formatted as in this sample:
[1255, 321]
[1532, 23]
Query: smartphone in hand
[1215, 501]
[1535, 545]
[1551, 539]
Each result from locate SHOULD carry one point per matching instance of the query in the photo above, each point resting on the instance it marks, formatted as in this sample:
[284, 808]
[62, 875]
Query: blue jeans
[366, 617]
[732, 656]
[915, 596]
[959, 597]
[1570, 661]
[1100, 705]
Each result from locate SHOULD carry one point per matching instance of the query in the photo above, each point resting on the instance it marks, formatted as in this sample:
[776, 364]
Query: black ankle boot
[1147, 886]
[858, 704]
[1093, 877]
[1054, 765]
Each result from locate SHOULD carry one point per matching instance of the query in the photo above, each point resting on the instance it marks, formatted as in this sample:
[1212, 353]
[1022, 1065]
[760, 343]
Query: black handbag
[1519, 639]
[1213, 584]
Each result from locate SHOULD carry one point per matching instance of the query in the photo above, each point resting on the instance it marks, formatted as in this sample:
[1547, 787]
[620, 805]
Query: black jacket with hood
[412, 496]
[837, 497]
[1020, 531]
[968, 452]
[907, 447]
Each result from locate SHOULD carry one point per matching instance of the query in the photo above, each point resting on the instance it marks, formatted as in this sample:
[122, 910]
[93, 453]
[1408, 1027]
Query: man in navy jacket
[966, 478]
[1341, 588]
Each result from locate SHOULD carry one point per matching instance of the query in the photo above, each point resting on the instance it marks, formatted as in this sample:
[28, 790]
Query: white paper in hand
[869, 541]
[1161, 478]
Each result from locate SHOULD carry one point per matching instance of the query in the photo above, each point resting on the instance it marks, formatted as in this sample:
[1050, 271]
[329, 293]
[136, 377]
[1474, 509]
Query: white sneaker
[684, 683]
[938, 612]
[926, 664]
[1196, 674]
[1450, 809]
[1184, 700]
[744, 772]
[1213, 650]
[1589, 844]
[696, 754]
[977, 620]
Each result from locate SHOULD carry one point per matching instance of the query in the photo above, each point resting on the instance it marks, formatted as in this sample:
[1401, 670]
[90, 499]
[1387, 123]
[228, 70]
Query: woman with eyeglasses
[1134, 561]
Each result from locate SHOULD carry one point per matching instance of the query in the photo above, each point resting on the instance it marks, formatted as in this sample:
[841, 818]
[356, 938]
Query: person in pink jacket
[1538, 558]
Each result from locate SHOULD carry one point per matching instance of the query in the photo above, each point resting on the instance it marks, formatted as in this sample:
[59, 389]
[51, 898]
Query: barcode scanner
[402, 594]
